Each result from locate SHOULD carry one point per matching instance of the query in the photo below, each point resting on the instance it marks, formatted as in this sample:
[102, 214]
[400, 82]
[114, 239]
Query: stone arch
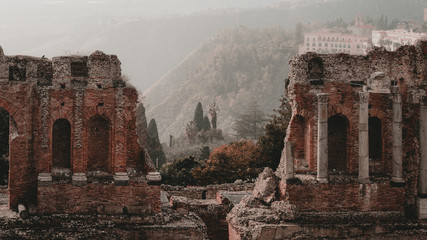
[338, 129]
[61, 144]
[98, 143]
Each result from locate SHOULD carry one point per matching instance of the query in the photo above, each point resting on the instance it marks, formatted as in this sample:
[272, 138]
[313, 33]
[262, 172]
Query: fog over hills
[234, 68]
[152, 38]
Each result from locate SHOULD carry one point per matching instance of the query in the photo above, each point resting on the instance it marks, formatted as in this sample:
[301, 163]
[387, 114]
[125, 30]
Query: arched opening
[61, 144]
[98, 144]
[337, 143]
[375, 143]
[4, 147]
[4, 158]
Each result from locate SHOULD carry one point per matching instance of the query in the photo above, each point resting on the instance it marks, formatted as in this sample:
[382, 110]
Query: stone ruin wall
[87, 94]
[342, 77]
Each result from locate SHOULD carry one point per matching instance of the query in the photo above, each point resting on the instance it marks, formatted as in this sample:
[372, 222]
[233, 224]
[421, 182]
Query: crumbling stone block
[266, 186]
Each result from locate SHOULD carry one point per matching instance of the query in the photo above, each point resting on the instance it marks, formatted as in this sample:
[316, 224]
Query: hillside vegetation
[232, 69]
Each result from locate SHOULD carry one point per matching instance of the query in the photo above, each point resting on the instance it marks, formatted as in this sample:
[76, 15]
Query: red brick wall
[345, 196]
[66, 198]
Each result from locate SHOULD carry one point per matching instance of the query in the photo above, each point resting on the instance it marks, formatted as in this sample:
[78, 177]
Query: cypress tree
[198, 117]
[154, 147]
[206, 123]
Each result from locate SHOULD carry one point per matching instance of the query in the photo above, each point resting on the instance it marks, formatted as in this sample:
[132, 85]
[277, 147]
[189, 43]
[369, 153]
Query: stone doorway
[337, 143]
[98, 144]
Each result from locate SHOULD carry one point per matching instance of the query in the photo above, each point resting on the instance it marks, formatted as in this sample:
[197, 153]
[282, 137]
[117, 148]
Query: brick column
[322, 137]
[363, 138]
[422, 178]
[397, 136]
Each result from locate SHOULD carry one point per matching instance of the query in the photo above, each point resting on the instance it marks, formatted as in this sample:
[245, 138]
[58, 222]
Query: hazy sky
[24, 10]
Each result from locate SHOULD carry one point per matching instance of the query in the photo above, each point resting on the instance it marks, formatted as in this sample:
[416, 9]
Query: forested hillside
[232, 69]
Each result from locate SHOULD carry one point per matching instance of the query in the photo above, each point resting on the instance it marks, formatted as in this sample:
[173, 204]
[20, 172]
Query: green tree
[191, 131]
[271, 143]
[154, 147]
[206, 124]
[141, 125]
[249, 125]
[198, 117]
[213, 110]
[180, 171]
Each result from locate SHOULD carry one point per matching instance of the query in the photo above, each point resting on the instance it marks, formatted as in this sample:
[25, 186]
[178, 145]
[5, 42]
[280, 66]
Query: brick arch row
[98, 135]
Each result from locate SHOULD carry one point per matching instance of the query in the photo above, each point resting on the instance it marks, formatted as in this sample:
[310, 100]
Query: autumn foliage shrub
[237, 160]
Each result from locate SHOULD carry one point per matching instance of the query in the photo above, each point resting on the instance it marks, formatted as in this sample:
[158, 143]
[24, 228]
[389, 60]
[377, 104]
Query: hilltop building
[329, 42]
[393, 39]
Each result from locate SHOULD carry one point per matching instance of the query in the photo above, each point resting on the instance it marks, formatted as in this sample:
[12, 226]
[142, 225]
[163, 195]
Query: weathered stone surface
[266, 186]
[285, 210]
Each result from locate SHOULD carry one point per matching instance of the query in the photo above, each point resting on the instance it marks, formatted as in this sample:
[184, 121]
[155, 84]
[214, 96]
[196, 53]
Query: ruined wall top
[378, 67]
[1, 51]
[95, 69]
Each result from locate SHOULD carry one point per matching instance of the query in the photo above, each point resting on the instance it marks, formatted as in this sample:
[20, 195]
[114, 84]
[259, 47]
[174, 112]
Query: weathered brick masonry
[71, 118]
[384, 76]
[355, 153]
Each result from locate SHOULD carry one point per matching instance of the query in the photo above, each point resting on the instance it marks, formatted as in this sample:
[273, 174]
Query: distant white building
[393, 39]
[329, 42]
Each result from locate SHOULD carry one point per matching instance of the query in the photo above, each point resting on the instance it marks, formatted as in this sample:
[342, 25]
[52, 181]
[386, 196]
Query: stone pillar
[45, 153]
[289, 160]
[79, 87]
[422, 178]
[397, 136]
[322, 137]
[363, 138]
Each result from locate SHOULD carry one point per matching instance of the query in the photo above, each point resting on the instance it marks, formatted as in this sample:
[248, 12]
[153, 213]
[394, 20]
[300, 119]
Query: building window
[320, 44]
[326, 44]
[340, 46]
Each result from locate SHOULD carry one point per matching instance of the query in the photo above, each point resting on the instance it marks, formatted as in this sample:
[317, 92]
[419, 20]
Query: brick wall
[138, 197]
[344, 196]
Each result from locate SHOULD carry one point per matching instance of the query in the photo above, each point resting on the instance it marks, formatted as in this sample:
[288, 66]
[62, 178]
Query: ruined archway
[375, 142]
[4, 147]
[98, 144]
[61, 144]
[337, 143]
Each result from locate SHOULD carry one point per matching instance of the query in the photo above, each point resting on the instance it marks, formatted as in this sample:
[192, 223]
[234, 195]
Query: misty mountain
[149, 48]
[232, 69]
